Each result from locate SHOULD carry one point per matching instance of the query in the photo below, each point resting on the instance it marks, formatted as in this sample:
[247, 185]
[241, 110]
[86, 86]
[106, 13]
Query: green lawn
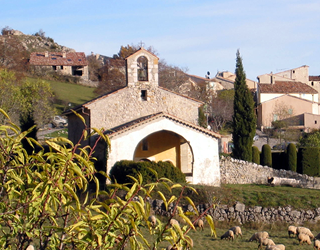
[66, 93]
[256, 195]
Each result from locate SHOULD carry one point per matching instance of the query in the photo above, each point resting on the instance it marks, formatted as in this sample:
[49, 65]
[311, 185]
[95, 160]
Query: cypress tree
[255, 155]
[266, 156]
[244, 119]
[292, 157]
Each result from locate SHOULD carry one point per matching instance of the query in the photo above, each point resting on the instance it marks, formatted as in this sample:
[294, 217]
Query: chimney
[64, 54]
[46, 54]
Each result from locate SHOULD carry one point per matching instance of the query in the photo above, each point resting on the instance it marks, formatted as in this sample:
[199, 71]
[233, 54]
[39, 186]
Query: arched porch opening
[166, 146]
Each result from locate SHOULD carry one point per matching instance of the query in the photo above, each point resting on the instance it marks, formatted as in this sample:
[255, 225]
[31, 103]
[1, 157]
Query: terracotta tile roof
[57, 59]
[286, 87]
[314, 78]
[149, 118]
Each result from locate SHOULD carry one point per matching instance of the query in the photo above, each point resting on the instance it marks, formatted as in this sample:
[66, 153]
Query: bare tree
[221, 110]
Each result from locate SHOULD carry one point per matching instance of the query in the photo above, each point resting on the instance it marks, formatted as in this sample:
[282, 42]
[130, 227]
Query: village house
[289, 96]
[226, 79]
[66, 63]
[146, 122]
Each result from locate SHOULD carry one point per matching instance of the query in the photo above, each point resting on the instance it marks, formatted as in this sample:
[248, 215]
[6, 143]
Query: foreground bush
[39, 204]
[123, 169]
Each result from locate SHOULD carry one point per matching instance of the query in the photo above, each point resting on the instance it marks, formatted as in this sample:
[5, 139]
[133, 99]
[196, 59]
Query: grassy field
[256, 195]
[66, 93]
[278, 233]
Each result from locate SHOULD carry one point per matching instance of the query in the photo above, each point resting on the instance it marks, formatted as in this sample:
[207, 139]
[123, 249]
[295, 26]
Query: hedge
[309, 161]
[121, 169]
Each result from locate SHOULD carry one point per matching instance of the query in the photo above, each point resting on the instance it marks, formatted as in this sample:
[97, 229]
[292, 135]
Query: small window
[145, 146]
[275, 117]
[69, 60]
[315, 122]
[54, 67]
[290, 111]
[61, 67]
[53, 58]
[144, 95]
[311, 83]
[79, 60]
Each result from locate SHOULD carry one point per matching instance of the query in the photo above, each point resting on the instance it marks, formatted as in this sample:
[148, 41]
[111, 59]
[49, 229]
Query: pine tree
[244, 119]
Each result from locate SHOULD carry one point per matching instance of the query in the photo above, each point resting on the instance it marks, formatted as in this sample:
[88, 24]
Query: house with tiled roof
[283, 99]
[146, 122]
[300, 74]
[67, 63]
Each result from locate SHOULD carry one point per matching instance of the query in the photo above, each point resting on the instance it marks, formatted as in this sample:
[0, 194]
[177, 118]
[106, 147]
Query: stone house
[147, 122]
[67, 63]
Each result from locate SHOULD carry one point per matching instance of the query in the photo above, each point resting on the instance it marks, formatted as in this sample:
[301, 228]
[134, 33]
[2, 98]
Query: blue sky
[200, 35]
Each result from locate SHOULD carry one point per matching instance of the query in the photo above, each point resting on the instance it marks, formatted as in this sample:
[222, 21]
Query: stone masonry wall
[234, 171]
[241, 214]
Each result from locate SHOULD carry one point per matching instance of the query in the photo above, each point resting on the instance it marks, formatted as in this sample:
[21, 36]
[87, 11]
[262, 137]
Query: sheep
[30, 247]
[237, 231]
[188, 245]
[292, 230]
[316, 244]
[258, 235]
[174, 222]
[280, 247]
[265, 242]
[153, 220]
[228, 235]
[275, 247]
[272, 248]
[305, 231]
[304, 238]
[199, 224]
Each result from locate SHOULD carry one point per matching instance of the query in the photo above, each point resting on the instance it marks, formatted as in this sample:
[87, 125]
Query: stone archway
[168, 146]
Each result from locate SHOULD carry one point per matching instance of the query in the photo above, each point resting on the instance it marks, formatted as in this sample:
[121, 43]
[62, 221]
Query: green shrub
[266, 157]
[309, 161]
[202, 119]
[292, 157]
[255, 155]
[122, 169]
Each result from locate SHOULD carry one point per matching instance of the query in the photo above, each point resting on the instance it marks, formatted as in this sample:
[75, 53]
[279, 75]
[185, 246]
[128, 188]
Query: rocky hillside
[32, 43]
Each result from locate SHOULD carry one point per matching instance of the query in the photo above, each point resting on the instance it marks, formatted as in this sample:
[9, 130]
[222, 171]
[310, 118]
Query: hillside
[31, 43]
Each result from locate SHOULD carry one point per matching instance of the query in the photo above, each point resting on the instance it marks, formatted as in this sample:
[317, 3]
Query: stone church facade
[147, 122]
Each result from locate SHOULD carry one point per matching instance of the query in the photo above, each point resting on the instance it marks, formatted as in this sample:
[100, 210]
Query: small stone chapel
[146, 122]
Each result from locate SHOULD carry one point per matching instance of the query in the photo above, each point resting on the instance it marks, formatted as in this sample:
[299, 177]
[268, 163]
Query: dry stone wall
[234, 171]
[240, 213]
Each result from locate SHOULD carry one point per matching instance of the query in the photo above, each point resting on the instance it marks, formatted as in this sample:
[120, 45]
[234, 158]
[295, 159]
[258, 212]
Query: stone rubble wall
[240, 214]
[233, 171]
